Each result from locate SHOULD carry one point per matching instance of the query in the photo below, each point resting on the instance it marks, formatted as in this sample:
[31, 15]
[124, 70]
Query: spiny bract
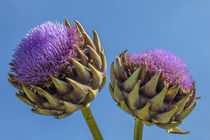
[154, 87]
[58, 69]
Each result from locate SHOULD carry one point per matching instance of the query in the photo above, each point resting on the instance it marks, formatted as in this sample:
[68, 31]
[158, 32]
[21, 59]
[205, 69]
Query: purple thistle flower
[46, 50]
[172, 68]
[58, 69]
[154, 87]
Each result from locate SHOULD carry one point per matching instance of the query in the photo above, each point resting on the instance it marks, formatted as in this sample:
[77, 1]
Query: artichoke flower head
[154, 87]
[58, 69]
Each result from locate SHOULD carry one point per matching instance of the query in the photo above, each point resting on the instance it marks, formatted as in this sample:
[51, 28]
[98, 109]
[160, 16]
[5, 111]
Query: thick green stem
[138, 129]
[91, 123]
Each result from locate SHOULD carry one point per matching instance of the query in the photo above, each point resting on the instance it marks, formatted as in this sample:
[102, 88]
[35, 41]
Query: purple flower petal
[45, 50]
[172, 68]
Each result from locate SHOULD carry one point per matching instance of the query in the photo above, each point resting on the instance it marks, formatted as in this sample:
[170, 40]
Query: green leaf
[80, 89]
[61, 116]
[117, 92]
[61, 86]
[24, 99]
[119, 70]
[46, 112]
[143, 113]
[129, 84]
[51, 99]
[81, 70]
[172, 92]
[103, 83]
[124, 107]
[97, 77]
[165, 117]
[133, 97]
[104, 64]
[31, 95]
[95, 56]
[112, 92]
[149, 88]
[185, 113]
[157, 101]
[83, 57]
[97, 41]
[112, 75]
[70, 108]
[181, 104]
[173, 124]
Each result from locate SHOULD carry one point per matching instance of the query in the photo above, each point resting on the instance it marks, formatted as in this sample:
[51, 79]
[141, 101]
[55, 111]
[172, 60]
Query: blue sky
[179, 26]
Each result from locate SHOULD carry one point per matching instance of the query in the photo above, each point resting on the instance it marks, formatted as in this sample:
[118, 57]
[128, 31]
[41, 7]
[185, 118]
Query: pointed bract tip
[61, 86]
[67, 23]
[177, 131]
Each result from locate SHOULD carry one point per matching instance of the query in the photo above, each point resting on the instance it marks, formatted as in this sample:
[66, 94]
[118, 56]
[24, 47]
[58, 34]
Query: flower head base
[58, 69]
[154, 87]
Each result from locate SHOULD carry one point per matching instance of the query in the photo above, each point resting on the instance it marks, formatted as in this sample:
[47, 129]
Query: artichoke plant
[154, 87]
[58, 69]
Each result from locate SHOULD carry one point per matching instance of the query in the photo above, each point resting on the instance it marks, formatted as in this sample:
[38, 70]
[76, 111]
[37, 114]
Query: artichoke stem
[138, 129]
[86, 112]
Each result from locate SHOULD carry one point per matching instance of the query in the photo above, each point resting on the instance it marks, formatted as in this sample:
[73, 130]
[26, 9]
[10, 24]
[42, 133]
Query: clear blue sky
[179, 26]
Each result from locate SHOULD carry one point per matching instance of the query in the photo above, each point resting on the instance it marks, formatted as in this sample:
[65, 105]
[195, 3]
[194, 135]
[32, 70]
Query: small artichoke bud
[154, 87]
[58, 69]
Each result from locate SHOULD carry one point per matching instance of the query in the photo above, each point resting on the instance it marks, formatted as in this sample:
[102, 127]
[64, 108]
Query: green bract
[147, 96]
[74, 89]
